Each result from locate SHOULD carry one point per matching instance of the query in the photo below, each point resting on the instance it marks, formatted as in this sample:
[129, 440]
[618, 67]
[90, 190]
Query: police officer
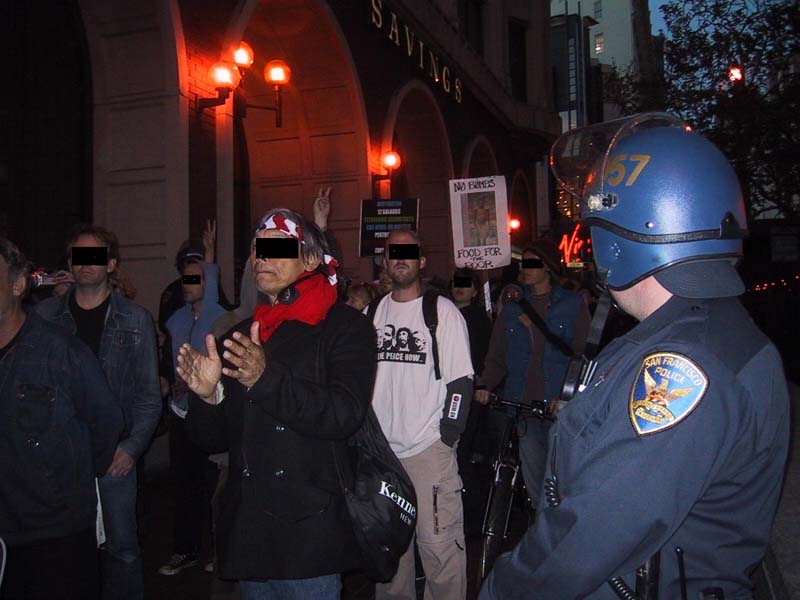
[676, 446]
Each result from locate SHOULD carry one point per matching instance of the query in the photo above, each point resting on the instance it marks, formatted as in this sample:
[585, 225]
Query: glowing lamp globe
[391, 160]
[514, 224]
[243, 56]
[225, 75]
[277, 72]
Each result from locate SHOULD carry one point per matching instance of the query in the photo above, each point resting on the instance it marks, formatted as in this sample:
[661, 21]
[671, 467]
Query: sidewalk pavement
[778, 580]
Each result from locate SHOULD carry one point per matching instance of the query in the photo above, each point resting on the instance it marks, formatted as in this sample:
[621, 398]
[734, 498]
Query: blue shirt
[185, 329]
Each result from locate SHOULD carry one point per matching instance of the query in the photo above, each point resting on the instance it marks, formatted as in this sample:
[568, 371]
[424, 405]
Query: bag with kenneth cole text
[380, 499]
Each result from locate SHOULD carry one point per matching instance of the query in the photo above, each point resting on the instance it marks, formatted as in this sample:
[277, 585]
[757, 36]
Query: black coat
[283, 514]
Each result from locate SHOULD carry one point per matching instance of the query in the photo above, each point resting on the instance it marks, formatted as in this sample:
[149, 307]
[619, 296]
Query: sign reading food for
[479, 209]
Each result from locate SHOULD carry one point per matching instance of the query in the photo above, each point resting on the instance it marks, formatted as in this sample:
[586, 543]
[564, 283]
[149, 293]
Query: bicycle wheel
[495, 525]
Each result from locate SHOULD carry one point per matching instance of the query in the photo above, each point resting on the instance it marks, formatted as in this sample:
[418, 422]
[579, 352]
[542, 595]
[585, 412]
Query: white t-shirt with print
[407, 397]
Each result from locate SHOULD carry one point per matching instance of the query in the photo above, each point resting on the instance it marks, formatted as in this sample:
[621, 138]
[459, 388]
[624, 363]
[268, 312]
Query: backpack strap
[373, 308]
[431, 315]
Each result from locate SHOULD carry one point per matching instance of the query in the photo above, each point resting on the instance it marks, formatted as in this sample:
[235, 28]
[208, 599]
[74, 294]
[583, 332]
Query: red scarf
[315, 300]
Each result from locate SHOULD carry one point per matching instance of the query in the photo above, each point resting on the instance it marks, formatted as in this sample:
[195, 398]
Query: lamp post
[227, 75]
[226, 78]
[390, 161]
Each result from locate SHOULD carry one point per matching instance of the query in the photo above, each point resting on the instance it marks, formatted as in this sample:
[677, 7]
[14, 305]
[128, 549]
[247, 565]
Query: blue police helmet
[668, 204]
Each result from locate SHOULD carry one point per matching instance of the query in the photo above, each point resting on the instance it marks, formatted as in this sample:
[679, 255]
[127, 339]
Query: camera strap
[551, 337]
[597, 325]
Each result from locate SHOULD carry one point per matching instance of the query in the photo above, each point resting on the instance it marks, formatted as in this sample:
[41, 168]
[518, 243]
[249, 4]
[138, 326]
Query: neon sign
[571, 246]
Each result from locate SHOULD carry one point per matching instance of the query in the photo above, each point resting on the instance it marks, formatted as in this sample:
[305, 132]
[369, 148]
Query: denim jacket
[128, 356]
[510, 355]
[59, 427]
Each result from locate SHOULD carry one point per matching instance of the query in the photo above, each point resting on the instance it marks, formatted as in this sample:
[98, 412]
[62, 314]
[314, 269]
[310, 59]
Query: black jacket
[480, 331]
[283, 515]
[59, 427]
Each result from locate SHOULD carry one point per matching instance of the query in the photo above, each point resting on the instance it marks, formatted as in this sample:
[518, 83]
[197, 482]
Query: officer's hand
[201, 373]
[121, 465]
[482, 396]
[247, 355]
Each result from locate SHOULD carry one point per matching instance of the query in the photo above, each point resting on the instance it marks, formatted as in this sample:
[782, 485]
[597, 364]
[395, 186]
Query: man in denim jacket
[529, 366]
[122, 336]
[59, 427]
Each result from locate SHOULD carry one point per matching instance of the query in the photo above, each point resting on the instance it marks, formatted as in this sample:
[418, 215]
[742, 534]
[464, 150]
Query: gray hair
[18, 265]
[313, 245]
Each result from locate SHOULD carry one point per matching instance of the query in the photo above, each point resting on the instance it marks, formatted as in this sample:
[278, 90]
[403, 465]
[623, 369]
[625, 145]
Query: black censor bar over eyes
[404, 251]
[462, 282]
[190, 280]
[277, 247]
[532, 263]
[90, 256]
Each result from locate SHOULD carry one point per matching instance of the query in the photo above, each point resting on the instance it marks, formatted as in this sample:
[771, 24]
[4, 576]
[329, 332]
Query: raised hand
[209, 239]
[322, 208]
[247, 355]
[201, 373]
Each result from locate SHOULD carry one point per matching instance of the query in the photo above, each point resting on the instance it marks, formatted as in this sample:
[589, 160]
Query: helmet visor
[579, 155]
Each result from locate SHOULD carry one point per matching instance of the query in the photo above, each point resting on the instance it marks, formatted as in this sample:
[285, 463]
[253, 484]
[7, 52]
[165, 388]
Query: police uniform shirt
[678, 441]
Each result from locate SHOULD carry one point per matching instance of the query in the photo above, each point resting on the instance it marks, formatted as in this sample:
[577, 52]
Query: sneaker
[177, 563]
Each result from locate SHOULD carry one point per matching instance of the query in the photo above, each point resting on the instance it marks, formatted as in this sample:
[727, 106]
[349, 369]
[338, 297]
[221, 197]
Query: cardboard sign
[380, 217]
[479, 209]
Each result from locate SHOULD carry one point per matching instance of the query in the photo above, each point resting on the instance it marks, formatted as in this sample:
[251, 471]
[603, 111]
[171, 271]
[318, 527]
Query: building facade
[459, 88]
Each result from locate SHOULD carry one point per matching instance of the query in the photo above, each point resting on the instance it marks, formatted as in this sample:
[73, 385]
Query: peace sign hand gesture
[322, 208]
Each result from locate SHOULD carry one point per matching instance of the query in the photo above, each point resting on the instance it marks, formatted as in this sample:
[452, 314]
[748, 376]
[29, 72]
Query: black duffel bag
[380, 499]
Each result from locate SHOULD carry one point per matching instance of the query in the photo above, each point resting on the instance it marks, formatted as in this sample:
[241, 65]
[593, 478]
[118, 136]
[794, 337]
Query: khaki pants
[440, 530]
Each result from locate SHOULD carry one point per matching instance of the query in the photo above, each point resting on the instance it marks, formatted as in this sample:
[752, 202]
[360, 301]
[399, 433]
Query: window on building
[470, 22]
[598, 9]
[518, 59]
[599, 44]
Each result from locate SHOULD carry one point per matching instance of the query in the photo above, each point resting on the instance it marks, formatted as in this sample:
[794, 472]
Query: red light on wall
[277, 72]
[514, 224]
[391, 160]
[243, 56]
[225, 75]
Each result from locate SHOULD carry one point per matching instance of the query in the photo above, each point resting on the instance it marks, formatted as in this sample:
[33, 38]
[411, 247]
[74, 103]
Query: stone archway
[415, 128]
[324, 140]
[479, 159]
[140, 154]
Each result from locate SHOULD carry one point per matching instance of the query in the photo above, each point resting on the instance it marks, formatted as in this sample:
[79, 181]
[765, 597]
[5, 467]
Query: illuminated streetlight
[226, 78]
[277, 72]
[243, 56]
[391, 160]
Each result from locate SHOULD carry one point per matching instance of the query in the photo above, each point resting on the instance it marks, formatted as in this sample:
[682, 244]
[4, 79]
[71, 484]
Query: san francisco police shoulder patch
[667, 389]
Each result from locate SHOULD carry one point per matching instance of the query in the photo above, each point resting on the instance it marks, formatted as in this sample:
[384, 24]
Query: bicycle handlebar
[522, 409]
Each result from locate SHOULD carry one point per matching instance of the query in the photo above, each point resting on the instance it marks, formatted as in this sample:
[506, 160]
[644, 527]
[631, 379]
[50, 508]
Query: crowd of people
[260, 400]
